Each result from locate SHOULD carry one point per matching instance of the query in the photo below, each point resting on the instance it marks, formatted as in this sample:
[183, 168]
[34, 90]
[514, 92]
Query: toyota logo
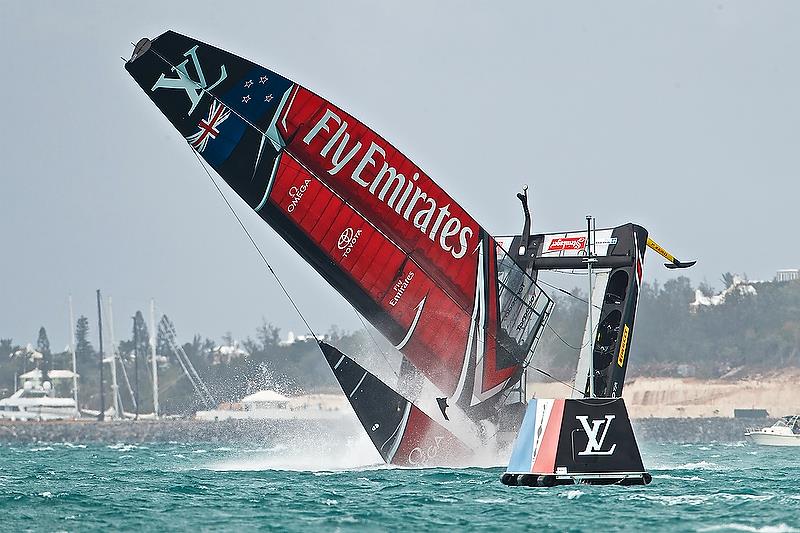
[345, 238]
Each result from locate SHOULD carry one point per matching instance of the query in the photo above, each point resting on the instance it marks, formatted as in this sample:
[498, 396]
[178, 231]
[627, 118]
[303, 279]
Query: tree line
[230, 370]
[750, 332]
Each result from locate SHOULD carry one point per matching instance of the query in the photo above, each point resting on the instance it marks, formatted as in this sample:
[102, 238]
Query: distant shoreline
[666, 430]
[164, 430]
[676, 398]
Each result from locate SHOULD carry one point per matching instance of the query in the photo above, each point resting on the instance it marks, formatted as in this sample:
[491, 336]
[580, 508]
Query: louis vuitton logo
[194, 89]
[596, 438]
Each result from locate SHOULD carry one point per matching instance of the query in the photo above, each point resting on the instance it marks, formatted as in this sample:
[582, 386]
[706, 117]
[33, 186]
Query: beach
[675, 397]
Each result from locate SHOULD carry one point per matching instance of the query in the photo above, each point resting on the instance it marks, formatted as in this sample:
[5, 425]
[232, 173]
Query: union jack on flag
[209, 127]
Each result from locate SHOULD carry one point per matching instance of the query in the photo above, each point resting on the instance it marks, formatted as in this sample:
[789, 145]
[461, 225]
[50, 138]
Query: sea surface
[313, 486]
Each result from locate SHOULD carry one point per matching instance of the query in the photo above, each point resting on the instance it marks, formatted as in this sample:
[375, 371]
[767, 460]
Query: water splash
[306, 452]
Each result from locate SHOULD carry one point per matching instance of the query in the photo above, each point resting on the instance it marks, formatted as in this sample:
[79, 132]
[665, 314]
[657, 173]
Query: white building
[269, 404]
[787, 274]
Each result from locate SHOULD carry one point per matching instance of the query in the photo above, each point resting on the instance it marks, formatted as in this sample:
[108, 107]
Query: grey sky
[681, 116]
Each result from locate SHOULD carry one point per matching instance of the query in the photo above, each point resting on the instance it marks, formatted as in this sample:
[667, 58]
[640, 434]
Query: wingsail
[371, 222]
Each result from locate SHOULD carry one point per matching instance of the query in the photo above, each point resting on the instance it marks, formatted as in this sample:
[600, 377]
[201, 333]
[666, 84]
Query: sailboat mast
[114, 384]
[102, 414]
[74, 358]
[589, 261]
[136, 367]
[153, 355]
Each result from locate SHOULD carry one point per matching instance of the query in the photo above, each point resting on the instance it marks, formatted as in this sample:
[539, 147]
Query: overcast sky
[680, 116]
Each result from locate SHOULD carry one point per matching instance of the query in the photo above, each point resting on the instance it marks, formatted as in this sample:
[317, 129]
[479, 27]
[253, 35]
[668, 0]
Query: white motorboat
[36, 400]
[784, 432]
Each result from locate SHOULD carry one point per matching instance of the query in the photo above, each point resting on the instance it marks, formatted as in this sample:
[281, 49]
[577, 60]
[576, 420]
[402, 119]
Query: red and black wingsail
[372, 223]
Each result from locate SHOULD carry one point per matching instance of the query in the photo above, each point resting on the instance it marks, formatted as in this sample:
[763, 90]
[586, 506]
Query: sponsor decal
[622, 346]
[296, 193]
[559, 244]
[400, 287]
[424, 455]
[596, 439]
[347, 240]
[194, 88]
[612, 240]
[393, 189]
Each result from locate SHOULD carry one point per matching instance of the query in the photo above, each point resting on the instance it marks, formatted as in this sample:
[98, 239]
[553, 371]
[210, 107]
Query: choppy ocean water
[153, 487]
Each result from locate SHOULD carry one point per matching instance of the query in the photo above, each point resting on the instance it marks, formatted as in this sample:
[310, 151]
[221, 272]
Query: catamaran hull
[566, 441]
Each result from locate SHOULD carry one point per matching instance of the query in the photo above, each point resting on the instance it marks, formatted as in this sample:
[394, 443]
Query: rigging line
[127, 382]
[263, 258]
[188, 375]
[209, 397]
[375, 342]
[543, 282]
[547, 374]
[568, 344]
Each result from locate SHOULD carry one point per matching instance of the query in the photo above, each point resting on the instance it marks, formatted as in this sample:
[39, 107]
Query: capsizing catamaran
[462, 308]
